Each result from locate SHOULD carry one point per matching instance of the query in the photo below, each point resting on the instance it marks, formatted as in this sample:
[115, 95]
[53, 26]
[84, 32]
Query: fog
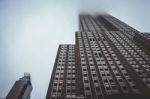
[31, 30]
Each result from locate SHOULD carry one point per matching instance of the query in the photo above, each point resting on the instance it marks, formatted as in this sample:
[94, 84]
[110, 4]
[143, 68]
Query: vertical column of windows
[85, 28]
[98, 24]
[104, 71]
[85, 69]
[95, 25]
[86, 81]
[89, 24]
[58, 80]
[70, 84]
[94, 74]
[80, 26]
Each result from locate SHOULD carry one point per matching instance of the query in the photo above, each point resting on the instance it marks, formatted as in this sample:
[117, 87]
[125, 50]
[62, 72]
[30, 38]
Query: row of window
[128, 55]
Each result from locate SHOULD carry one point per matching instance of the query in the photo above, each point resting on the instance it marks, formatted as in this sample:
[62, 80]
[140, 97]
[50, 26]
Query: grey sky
[31, 30]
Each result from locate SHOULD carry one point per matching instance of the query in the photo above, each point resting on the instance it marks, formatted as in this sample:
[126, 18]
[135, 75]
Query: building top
[21, 89]
[26, 78]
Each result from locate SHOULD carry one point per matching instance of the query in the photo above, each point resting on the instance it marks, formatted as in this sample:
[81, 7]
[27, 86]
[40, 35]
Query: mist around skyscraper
[31, 33]
[109, 60]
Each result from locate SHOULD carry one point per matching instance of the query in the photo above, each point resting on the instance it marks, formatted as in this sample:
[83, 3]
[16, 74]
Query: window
[100, 55]
[87, 88]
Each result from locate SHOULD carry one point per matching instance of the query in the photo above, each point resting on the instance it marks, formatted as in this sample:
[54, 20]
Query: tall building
[21, 89]
[109, 60]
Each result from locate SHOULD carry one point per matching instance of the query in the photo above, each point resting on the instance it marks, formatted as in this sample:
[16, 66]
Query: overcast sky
[31, 30]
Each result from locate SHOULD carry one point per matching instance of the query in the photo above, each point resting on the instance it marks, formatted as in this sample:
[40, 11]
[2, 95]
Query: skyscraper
[21, 89]
[110, 60]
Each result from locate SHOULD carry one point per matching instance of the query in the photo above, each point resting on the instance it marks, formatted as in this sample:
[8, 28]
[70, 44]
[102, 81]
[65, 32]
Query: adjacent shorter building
[63, 79]
[21, 89]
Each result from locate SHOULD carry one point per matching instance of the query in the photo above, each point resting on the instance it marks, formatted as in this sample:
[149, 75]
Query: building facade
[21, 89]
[63, 79]
[108, 61]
